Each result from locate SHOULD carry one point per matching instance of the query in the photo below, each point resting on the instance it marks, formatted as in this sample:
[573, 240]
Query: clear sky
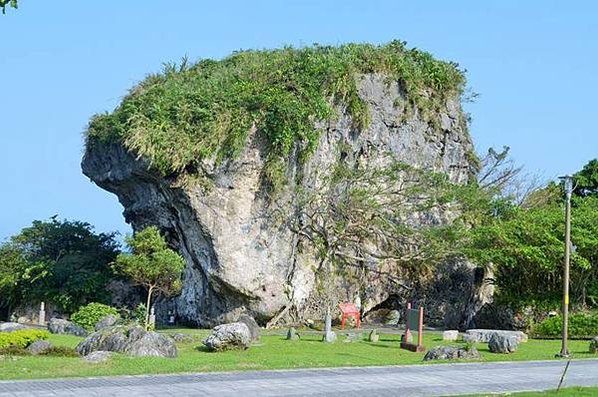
[534, 64]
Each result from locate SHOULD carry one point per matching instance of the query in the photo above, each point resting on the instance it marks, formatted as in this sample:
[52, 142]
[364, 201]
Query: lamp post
[568, 184]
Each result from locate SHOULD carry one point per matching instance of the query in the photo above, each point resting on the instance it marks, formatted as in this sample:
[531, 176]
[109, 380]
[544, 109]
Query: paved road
[415, 380]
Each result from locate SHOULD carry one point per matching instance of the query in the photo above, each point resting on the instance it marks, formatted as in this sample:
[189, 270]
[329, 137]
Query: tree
[380, 221]
[4, 3]
[586, 180]
[62, 262]
[151, 264]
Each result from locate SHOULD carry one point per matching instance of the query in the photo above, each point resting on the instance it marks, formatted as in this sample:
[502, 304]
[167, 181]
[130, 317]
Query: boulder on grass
[39, 347]
[9, 327]
[292, 334]
[594, 345]
[133, 341]
[182, 338]
[61, 326]
[450, 335]
[97, 357]
[452, 353]
[108, 321]
[254, 328]
[484, 335]
[233, 336]
[374, 337]
[500, 343]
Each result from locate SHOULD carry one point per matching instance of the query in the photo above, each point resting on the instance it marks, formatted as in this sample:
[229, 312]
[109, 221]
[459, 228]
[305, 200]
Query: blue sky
[532, 62]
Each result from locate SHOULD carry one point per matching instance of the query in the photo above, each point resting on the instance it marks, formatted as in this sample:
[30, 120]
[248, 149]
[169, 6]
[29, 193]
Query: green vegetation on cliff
[193, 112]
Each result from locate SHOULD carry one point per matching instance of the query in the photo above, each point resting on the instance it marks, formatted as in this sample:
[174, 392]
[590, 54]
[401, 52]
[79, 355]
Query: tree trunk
[147, 305]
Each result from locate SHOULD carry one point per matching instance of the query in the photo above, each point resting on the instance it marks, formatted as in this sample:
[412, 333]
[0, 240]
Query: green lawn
[566, 392]
[274, 352]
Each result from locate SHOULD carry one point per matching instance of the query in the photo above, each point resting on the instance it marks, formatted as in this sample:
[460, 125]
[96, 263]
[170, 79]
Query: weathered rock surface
[98, 357]
[39, 347]
[501, 343]
[106, 322]
[373, 336]
[254, 328]
[594, 345]
[452, 353]
[133, 341]
[484, 335]
[61, 326]
[9, 327]
[239, 259]
[233, 336]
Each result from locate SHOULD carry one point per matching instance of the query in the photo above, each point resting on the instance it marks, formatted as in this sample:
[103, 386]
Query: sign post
[414, 318]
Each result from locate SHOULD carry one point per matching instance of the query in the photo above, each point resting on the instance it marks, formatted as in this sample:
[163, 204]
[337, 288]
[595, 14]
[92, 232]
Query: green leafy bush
[206, 111]
[581, 325]
[21, 338]
[87, 316]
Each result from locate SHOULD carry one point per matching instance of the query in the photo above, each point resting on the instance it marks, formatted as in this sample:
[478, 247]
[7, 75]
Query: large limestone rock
[233, 336]
[239, 258]
[133, 341]
[254, 328]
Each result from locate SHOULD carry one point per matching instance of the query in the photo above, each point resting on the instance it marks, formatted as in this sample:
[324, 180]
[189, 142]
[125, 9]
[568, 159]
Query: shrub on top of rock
[88, 316]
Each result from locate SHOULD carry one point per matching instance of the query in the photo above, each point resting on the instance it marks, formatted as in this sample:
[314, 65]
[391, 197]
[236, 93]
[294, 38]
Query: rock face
[61, 326]
[133, 341]
[233, 336]
[484, 335]
[452, 353]
[501, 343]
[239, 259]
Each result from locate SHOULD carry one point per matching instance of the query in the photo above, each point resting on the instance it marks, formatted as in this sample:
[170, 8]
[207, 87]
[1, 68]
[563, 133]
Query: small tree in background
[151, 264]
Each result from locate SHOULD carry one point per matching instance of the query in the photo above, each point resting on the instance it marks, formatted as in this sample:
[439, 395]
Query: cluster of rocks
[452, 353]
[130, 340]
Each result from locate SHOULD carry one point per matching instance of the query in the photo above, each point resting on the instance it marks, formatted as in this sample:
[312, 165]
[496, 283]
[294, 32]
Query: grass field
[565, 392]
[274, 352]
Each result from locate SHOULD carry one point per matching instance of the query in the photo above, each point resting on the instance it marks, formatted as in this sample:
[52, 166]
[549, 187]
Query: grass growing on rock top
[206, 110]
[274, 352]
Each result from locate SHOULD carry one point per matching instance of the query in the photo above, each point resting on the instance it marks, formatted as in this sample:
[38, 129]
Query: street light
[568, 185]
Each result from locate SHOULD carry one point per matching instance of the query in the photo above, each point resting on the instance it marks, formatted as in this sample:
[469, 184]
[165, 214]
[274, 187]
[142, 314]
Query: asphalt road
[412, 380]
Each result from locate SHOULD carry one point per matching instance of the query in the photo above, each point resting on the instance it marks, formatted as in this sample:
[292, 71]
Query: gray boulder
[393, 317]
[373, 336]
[231, 336]
[100, 356]
[38, 347]
[106, 322]
[452, 353]
[450, 335]
[61, 326]
[351, 337]
[133, 341]
[254, 328]
[594, 345]
[9, 327]
[501, 343]
[182, 338]
[484, 335]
